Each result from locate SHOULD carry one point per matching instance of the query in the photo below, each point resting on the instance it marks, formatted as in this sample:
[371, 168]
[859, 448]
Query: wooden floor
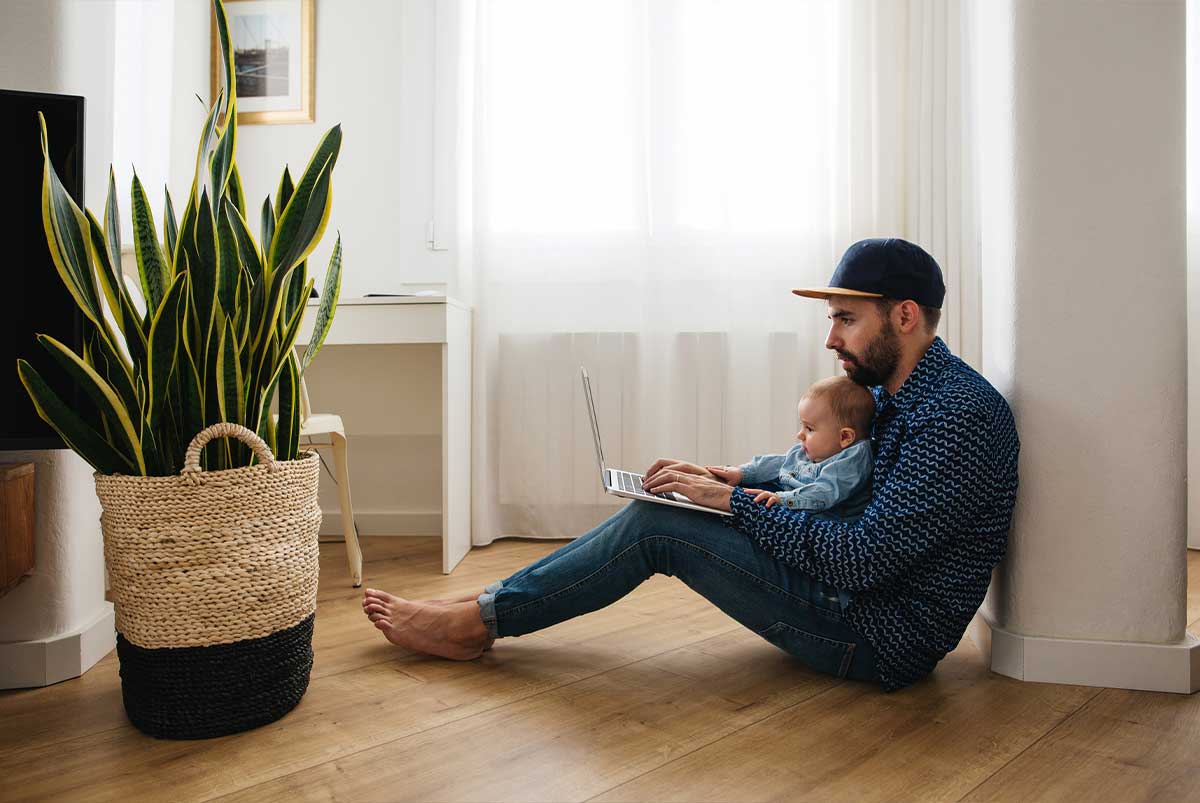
[659, 697]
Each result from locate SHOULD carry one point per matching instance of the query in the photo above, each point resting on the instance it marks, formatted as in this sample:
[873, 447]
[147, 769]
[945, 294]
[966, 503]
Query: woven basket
[214, 580]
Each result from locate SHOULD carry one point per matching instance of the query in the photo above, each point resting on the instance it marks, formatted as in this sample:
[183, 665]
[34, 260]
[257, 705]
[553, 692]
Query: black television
[36, 300]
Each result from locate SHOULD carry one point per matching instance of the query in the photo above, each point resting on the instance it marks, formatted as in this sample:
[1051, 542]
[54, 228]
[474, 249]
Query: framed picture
[273, 58]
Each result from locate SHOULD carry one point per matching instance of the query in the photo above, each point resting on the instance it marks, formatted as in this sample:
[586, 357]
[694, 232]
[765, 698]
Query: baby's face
[819, 430]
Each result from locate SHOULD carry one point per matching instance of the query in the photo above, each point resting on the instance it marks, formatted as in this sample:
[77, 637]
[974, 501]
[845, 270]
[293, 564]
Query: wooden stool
[16, 524]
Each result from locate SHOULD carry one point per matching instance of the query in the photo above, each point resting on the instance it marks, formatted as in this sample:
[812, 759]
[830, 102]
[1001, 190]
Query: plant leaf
[302, 222]
[208, 136]
[204, 269]
[228, 85]
[228, 376]
[152, 265]
[268, 227]
[283, 193]
[116, 294]
[329, 299]
[103, 395]
[84, 440]
[66, 235]
[112, 222]
[164, 347]
[170, 226]
[113, 370]
[236, 193]
[287, 433]
[229, 263]
[222, 158]
[251, 257]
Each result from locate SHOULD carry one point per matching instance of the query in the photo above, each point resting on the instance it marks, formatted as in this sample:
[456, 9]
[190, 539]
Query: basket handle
[191, 461]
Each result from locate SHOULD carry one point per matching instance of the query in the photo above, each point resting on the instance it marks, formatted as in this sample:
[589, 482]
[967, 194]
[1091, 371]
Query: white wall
[374, 76]
[66, 46]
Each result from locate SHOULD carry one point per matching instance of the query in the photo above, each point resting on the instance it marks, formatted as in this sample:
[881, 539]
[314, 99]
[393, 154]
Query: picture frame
[274, 44]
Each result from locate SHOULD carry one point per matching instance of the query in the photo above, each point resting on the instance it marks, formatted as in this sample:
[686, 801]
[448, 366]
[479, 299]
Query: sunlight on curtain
[142, 71]
[650, 178]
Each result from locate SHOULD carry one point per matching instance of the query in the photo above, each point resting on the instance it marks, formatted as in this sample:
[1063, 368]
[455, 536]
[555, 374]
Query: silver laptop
[626, 483]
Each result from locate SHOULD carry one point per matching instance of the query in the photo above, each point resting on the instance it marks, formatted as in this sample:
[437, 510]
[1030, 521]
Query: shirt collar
[926, 372]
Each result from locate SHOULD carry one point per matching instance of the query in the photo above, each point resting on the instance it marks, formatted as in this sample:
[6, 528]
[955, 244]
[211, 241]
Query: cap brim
[826, 292]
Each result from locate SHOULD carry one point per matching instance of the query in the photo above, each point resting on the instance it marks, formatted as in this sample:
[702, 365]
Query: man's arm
[937, 483]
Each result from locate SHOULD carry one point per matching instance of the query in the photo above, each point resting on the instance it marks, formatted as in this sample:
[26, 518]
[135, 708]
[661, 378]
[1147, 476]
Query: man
[880, 598]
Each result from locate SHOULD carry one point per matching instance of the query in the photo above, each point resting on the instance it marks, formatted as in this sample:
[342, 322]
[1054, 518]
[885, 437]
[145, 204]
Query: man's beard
[880, 360]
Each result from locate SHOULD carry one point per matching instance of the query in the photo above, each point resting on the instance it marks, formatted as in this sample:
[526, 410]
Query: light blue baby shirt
[842, 481]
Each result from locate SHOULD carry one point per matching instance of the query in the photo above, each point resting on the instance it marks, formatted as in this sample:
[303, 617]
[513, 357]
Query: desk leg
[456, 438]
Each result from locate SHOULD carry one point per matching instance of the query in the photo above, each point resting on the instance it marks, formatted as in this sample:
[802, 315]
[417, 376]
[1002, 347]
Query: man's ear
[845, 436]
[909, 314]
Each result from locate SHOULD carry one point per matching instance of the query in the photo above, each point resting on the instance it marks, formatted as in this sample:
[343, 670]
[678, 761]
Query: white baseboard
[26, 664]
[1080, 662]
[385, 522]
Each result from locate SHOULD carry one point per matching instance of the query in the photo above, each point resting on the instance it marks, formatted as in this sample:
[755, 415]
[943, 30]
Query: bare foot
[468, 598]
[452, 630]
[452, 600]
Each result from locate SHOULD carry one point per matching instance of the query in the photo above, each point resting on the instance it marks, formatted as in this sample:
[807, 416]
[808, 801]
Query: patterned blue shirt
[841, 482]
[919, 560]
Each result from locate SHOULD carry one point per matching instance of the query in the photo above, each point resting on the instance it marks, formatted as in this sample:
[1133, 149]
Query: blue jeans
[787, 607]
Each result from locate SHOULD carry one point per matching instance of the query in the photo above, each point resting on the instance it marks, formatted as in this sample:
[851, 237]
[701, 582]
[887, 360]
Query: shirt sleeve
[763, 468]
[936, 484]
[835, 481]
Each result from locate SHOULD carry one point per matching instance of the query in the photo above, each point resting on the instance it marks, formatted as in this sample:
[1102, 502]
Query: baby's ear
[846, 436]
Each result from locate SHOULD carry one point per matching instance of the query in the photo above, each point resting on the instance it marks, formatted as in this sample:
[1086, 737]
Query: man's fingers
[657, 466]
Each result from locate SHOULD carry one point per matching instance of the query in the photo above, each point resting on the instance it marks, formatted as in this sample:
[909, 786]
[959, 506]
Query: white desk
[423, 319]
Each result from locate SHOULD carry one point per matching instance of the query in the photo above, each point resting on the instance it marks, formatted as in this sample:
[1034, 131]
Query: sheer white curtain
[143, 69]
[646, 181]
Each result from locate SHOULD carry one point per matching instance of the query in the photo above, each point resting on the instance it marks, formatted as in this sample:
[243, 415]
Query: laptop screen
[591, 405]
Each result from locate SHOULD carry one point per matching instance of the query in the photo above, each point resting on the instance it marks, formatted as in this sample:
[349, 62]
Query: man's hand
[680, 466]
[706, 491]
[763, 496]
[730, 475]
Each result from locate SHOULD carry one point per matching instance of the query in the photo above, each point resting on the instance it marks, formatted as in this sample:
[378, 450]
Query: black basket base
[202, 692]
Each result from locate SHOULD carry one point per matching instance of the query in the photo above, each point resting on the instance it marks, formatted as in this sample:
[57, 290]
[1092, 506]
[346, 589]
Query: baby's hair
[852, 404]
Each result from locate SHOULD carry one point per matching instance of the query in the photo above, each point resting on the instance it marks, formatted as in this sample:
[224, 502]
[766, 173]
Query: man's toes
[382, 596]
[375, 607]
[382, 623]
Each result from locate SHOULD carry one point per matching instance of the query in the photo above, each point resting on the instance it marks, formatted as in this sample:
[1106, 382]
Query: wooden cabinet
[16, 523]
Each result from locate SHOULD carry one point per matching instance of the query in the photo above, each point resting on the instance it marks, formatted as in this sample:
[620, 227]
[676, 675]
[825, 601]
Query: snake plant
[216, 342]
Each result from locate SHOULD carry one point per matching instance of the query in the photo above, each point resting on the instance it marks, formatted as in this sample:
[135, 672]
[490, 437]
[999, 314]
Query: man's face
[865, 341]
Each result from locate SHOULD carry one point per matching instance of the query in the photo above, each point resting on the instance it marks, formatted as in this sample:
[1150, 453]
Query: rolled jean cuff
[487, 607]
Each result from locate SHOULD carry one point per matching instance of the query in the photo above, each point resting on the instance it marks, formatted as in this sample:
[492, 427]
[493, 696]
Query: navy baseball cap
[885, 268]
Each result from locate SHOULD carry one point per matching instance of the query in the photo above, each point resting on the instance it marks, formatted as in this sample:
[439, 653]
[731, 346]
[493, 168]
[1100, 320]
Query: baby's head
[834, 413]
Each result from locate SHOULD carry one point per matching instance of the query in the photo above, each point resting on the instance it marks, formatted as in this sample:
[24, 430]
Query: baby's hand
[727, 475]
[761, 495]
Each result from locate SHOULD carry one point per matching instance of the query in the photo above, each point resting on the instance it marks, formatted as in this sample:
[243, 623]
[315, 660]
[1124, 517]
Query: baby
[830, 468]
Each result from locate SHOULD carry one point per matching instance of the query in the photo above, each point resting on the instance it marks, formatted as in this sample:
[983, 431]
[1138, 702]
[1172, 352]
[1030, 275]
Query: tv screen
[37, 300]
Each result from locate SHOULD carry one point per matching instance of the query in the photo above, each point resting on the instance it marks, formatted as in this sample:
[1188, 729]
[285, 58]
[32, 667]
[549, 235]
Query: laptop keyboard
[632, 483]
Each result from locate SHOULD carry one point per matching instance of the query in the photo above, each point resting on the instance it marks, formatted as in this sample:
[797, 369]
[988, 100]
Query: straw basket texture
[214, 580]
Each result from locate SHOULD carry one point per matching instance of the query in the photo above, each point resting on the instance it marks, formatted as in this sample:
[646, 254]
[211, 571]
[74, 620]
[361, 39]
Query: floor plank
[935, 740]
[576, 740]
[390, 694]
[1123, 746]
[658, 697]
